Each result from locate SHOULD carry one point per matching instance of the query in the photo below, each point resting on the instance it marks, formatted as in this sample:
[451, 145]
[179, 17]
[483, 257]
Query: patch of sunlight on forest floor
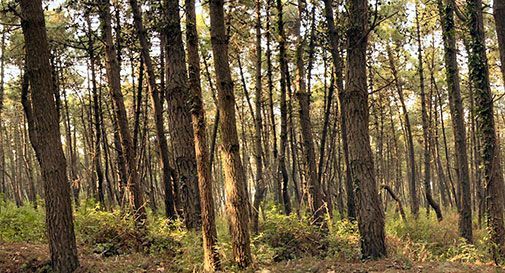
[107, 242]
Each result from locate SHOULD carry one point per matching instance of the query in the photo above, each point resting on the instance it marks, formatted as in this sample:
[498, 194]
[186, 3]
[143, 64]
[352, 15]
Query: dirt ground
[23, 258]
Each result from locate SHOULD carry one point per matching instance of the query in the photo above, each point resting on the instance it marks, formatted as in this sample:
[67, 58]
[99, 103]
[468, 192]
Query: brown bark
[42, 117]
[232, 165]
[158, 110]
[492, 177]
[260, 190]
[334, 40]
[205, 180]
[397, 199]
[446, 11]
[181, 130]
[425, 125]
[414, 200]
[370, 211]
[499, 20]
[113, 69]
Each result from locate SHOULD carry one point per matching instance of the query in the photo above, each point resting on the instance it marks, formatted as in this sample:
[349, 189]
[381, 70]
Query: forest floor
[25, 257]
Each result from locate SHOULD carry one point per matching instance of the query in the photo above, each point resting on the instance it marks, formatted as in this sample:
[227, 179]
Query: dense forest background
[183, 136]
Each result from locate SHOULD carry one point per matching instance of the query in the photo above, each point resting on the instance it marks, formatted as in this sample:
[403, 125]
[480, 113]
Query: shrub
[24, 224]
[291, 238]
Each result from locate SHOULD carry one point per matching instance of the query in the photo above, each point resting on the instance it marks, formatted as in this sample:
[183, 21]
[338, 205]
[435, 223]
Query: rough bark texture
[158, 110]
[414, 201]
[179, 107]
[283, 108]
[426, 125]
[492, 177]
[113, 69]
[314, 197]
[446, 11]
[205, 180]
[45, 137]
[499, 19]
[260, 190]
[370, 212]
[236, 202]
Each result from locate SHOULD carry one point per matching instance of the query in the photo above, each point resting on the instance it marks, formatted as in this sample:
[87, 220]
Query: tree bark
[425, 124]
[179, 108]
[158, 110]
[205, 180]
[490, 153]
[370, 211]
[457, 114]
[113, 69]
[42, 117]
[499, 20]
[234, 172]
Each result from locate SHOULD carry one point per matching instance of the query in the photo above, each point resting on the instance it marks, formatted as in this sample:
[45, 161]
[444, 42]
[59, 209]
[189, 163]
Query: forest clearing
[252, 136]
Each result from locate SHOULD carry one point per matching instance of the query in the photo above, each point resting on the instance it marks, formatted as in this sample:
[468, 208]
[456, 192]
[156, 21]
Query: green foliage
[291, 238]
[426, 239]
[24, 224]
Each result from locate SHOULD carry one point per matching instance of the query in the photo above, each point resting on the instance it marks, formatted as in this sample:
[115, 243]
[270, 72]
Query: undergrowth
[280, 238]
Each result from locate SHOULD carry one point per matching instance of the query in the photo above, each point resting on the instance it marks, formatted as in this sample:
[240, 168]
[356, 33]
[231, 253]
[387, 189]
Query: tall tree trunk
[158, 110]
[499, 20]
[113, 69]
[370, 211]
[457, 114]
[425, 124]
[181, 130]
[337, 64]
[260, 190]
[205, 180]
[42, 117]
[315, 201]
[414, 200]
[283, 108]
[234, 172]
[492, 176]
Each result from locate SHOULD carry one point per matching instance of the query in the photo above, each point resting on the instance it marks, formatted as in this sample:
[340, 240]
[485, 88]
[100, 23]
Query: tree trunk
[232, 165]
[283, 109]
[490, 154]
[205, 180]
[259, 193]
[181, 130]
[414, 200]
[499, 20]
[337, 64]
[45, 137]
[370, 211]
[425, 125]
[457, 114]
[114, 79]
[158, 110]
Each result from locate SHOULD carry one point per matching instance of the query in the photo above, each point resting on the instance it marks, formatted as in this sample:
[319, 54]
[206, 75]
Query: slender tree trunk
[425, 124]
[283, 108]
[42, 117]
[181, 130]
[499, 20]
[205, 180]
[114, 79]
[337, 64]
[414, 200]
[232, 164]
[158, 110]
[457, 114]
[370, 211]
[259, 193]
[490, 154]
[314, 197]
